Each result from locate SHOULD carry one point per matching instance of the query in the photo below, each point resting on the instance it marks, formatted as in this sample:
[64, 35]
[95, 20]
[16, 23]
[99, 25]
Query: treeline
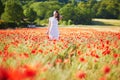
[23, 12]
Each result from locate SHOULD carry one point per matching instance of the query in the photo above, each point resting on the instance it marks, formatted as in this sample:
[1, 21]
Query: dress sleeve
[49, 19]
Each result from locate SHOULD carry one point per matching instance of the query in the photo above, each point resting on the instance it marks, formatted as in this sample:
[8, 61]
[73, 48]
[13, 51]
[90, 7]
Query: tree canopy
[13, 11]
[73, 11]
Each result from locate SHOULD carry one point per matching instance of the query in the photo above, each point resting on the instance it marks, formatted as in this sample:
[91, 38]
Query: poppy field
[79, 54]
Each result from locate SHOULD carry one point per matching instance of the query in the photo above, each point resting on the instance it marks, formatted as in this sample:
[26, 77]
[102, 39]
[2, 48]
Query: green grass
[106, 22]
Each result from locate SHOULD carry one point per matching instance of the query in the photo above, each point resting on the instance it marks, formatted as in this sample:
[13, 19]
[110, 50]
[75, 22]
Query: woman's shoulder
[50, 18]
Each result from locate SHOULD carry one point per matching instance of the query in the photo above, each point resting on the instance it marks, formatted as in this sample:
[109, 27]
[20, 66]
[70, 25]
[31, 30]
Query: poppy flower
[81, 59]
[29, 71]
[115, 62]
[33, 51]
[59, 61]
[115, 55]
[106, 52]
[3, 74]
[103, 78]
[81, 75]
[106, 69]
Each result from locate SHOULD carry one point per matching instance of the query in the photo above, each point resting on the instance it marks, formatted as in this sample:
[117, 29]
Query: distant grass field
[107, 22]
[100, 24]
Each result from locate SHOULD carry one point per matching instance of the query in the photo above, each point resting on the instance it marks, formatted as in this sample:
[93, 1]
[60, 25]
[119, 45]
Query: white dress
[53, 30]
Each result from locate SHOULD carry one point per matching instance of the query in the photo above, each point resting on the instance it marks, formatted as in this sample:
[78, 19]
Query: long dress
[53, 30]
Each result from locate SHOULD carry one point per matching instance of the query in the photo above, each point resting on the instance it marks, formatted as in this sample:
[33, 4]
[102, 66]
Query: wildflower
[33, 51]
[81, 75]
[81, 59]
[115, 62]
[115, 55]
[107, 51]
[103, 78]
[106, 69]
[3, 74]
[59, 61]
[29, 71]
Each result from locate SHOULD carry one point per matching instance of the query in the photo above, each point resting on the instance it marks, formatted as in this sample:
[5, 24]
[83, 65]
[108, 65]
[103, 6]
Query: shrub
[5, 25]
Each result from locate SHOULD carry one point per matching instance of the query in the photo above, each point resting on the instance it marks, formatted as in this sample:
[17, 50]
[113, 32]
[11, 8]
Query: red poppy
[0, 52]
[81, 59]
[103, 78]
[29, 71]
[40, 50]
[3, 74]
[33, 51]
[106, 69]
[81, 75]
[88, 46]
[59, 61]
[107, 51]
[26, 55]
[107, 42]
[15, 74]
[115, 62]
[79, 52]
[115, 55]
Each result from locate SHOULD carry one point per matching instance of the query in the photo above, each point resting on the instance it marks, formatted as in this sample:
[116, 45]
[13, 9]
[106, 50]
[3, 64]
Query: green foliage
[80, 14]
[30, 14]
[13, 12]
[67, 12]
[109, 9]
[84, 14]
[1, 8]
[69, 22]
[44, 11]
[73, 11]
[5, 25]
[63, 1]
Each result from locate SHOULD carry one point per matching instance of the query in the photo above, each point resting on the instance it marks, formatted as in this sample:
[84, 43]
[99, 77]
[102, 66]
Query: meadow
[81, 53]
[107, 22]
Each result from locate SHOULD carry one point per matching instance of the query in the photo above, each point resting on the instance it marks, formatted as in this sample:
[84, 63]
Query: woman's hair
[58, 16]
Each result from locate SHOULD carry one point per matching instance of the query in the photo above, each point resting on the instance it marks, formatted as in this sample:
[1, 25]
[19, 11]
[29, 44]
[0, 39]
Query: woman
[53, 31]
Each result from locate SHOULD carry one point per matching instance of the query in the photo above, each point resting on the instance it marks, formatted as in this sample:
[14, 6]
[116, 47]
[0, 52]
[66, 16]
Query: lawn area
[81, 53]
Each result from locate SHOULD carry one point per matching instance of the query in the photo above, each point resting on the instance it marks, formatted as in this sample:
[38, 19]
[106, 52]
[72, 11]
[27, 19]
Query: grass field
[107, 22]
[81, 53]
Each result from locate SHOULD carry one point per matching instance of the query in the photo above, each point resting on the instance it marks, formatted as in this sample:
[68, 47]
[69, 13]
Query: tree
[4, 1]
[91, 3]
[74, 2]
[43, 11]
[67, 12]
[1, 8]
[63, 1]
[13, 11]
[95, 9]
[79, 14]
[84, 14]
[30, 14]
[109, 9]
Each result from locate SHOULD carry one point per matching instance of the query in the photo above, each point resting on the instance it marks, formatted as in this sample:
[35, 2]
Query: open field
[107, 22]
[81, 53]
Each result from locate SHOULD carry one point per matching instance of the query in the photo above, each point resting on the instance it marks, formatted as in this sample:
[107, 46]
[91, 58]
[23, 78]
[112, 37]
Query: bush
[63, 22]
[23, 24]
[69, 22]
[43, 22]
[5, 25]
